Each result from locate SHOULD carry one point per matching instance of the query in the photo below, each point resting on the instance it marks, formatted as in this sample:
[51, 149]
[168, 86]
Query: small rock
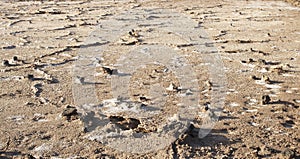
[44, 100]
[189, 92]
[131, 38]
[38, 117]
[125, 123]
[296, 100]
[208, 83]
[265, 79]
[171, 87]
[266, 99]
[133, 33]
[62, 99]
[9, 47]
[79, 80]
[37, 89]
[254, 77]
[15, 58]
[250, 60]
[5, 63]
[174, 88]
[30, 77]
[29, 104]
[69, 111]
[109, 71]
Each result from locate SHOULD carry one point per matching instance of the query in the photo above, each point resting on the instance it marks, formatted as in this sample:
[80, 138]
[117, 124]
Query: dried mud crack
[258, 43]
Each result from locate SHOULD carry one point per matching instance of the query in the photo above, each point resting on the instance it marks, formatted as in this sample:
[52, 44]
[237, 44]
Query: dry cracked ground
[258, 43]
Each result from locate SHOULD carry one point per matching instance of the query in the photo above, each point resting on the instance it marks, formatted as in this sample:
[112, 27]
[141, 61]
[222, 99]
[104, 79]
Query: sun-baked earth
[258, 42]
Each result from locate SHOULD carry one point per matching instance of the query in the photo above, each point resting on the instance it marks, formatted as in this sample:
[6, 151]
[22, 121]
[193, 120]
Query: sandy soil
[258, 41]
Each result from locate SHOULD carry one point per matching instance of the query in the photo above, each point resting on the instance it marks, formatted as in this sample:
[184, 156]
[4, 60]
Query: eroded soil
[258, 41]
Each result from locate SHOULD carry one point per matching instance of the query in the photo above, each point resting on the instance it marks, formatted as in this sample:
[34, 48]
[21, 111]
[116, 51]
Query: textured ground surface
[259, 42]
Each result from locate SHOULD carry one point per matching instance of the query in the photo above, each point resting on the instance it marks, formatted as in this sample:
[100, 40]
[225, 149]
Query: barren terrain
[258, 43]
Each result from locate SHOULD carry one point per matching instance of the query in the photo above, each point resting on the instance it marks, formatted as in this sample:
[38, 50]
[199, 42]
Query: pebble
[9, 47]
[125, 123]
[36, 88]
[266, 99]
[297, 100]
[171, 87]
[189, 92]
[15, 58]
[254, 124]
[62, 99]
[209, 85]
[5, 63]
[108, 70]
[38, 117]
[265, 79]
[30, 77]
[254, 77]
[70, 114]
[69, 111]
[130, 39]
[79, 80]
[44, 100]
[133, 33]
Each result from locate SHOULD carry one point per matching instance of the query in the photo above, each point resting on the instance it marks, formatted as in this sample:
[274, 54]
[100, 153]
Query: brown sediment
[258, 43]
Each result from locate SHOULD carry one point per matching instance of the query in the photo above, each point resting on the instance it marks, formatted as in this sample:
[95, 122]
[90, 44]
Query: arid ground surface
[258, 42]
